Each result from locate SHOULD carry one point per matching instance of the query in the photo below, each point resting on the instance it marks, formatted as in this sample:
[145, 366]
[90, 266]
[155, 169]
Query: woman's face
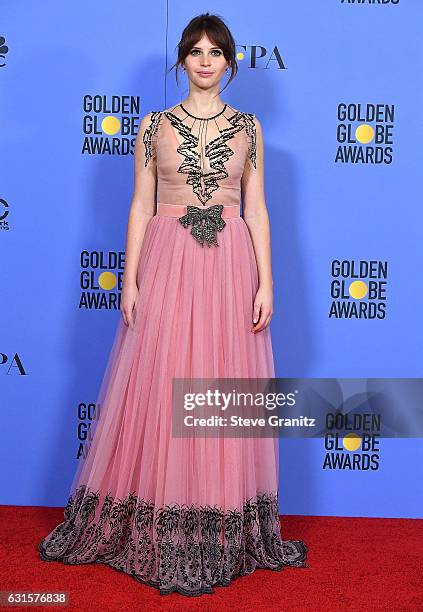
[205, 63]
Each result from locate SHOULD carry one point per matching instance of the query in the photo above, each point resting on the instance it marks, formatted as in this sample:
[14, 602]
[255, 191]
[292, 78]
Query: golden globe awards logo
[101, 279]
[352, 442]
[365, 133]
[110, 124]
[87, 414]
[358, 289]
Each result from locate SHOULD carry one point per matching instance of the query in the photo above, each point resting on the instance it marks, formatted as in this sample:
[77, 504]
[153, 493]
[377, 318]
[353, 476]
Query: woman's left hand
[262, 308]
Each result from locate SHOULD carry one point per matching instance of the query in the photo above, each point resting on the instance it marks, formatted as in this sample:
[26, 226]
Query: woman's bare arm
[143, 206]
[257, 219]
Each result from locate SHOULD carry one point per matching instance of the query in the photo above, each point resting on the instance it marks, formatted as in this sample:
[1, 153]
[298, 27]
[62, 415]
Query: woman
[185, 514]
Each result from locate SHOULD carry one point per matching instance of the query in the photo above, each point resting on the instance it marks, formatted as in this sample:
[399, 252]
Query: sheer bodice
[200, 161]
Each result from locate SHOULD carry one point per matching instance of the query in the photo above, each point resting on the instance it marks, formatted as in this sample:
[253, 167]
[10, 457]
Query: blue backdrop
[337, 88]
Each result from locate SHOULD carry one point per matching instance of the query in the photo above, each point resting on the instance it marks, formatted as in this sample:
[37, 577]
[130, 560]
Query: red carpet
[355, 564]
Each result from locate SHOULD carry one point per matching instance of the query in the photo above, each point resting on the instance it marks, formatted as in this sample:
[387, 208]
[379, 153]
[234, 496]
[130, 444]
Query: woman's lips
[205, 73]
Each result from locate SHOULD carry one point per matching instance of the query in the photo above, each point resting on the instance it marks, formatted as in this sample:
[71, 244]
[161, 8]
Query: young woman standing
[185, 514]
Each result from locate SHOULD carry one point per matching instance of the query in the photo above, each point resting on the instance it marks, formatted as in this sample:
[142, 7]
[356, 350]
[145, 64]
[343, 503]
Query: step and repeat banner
[337, 88]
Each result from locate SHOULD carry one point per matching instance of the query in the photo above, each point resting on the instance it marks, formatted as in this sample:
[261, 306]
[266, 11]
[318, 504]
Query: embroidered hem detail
[188, 549]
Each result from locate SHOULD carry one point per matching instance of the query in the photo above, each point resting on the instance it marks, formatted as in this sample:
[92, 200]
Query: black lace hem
[184, 549]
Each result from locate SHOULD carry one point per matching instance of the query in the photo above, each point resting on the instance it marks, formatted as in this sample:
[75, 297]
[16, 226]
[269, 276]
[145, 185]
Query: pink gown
[182, 514]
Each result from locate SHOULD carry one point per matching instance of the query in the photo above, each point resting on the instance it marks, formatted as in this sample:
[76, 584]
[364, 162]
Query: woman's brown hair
[219, 34]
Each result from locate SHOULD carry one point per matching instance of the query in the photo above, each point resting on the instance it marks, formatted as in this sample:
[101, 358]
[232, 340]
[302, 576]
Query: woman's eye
[215, 51]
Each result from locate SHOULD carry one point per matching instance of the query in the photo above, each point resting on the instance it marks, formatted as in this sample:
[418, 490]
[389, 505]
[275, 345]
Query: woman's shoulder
[151, 116]
[148, 133]
[251, 125]
[240, 113]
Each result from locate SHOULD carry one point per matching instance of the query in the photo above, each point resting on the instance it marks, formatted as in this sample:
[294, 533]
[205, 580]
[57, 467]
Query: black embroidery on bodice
[150, 135]
[184, 548]
[217, 150]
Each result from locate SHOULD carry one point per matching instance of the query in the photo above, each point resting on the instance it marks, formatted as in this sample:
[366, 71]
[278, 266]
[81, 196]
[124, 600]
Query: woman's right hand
[127, 303]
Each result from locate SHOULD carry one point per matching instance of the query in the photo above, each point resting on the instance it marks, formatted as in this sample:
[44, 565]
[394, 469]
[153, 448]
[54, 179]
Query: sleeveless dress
[182, 514]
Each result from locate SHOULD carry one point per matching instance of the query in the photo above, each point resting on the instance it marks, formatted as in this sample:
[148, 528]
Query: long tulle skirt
[180, 514]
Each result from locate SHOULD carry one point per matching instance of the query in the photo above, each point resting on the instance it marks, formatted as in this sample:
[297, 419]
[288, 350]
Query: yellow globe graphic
[364, 133]
[240, 55]
[351, 442]
[358, 290]
[110, 125]
[107, 280]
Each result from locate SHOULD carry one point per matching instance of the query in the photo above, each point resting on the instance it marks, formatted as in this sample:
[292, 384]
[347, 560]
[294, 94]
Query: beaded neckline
[202, 118]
